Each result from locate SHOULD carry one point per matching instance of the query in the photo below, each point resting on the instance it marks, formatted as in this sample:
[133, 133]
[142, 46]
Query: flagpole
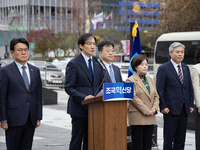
[131, 37]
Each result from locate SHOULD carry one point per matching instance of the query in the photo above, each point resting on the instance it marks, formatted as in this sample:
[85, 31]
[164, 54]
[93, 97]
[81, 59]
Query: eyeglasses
[23, 50]
[110, 50]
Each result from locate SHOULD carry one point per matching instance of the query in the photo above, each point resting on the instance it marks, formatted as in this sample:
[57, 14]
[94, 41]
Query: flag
[109, 17]
[96, 19]
[91, 27]
[87, 28]
[136, 48]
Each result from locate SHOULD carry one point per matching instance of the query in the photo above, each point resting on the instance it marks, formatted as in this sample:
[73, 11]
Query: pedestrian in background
[143, 108]
[50, 59]
[195, 73]
[5, 56]
[174, 86]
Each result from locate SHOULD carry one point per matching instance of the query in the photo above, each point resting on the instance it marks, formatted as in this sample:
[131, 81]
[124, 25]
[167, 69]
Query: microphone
[103, 67]
[108, 76]
[100, 63]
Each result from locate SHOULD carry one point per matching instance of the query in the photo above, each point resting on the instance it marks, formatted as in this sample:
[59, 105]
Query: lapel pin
[31, 69]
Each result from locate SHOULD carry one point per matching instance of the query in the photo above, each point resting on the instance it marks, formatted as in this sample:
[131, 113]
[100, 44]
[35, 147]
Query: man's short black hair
[16, 41]
[103, 43]
[84, 38]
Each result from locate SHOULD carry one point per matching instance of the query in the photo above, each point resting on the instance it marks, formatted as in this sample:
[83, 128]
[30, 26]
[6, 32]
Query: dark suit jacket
[78, 84]
[172, 93]
[15, 101]
[117, 74]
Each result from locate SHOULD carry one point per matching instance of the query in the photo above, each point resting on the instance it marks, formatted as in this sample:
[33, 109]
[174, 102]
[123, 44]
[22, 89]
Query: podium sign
[117, 91]
[107, 119]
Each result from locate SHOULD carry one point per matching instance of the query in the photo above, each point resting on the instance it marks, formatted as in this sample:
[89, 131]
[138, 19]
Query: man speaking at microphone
[82, 81]
[106, 51]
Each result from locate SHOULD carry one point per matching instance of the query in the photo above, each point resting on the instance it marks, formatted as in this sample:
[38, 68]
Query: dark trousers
[175, 130]
[141, 137]
[21, 137]
[197, 130]
[79, 134]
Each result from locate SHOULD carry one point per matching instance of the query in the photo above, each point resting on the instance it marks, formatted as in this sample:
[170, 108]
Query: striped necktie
[180, 74]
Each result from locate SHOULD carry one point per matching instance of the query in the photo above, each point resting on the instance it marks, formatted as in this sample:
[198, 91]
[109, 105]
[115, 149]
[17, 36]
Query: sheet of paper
[100, 93]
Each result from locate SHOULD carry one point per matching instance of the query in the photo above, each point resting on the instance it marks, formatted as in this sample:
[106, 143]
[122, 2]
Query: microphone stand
[103, 67]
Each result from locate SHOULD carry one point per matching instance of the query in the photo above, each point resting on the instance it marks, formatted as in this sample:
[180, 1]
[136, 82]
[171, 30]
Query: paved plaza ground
[55, 130]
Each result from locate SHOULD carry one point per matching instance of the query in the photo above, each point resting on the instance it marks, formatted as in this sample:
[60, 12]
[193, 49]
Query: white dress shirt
[86, 60]
[108, 68]
[27, 70]
[176, 66]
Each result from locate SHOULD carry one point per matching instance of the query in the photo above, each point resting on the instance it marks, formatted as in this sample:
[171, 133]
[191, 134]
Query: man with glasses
[106, 51]
[82, 82]
[20, 98]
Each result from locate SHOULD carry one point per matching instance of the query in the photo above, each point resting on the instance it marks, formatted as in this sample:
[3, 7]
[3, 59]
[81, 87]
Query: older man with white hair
[175, 89]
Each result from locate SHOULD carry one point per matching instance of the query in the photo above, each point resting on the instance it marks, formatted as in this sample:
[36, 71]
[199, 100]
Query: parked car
[54, 75]
[2, 64]
[7, 61]
[67, 59]
[61, 65]
[42, 66]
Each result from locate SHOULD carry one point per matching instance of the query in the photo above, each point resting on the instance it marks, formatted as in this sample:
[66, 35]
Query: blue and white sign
[117, 91]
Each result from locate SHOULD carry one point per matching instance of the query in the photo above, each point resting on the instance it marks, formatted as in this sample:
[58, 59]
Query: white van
[161, 52]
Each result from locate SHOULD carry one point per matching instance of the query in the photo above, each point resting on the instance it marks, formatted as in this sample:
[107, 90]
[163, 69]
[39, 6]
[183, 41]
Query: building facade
[57, 15]
[124, 12]
[18, 17]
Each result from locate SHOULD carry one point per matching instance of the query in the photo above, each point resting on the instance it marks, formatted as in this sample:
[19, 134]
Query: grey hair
[174, 45]
[89, 38]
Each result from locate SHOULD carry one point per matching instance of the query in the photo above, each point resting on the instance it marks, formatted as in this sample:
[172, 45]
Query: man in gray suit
[106, 51]
[83, 79]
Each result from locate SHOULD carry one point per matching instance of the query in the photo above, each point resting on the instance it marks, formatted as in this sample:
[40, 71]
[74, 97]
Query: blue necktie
[112, 77]
[90, 68]
[25, 77]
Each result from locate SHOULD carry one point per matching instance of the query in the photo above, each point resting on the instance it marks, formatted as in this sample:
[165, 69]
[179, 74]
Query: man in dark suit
[174, 87]
[106, 51]
[20, 98]
[83, 79]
